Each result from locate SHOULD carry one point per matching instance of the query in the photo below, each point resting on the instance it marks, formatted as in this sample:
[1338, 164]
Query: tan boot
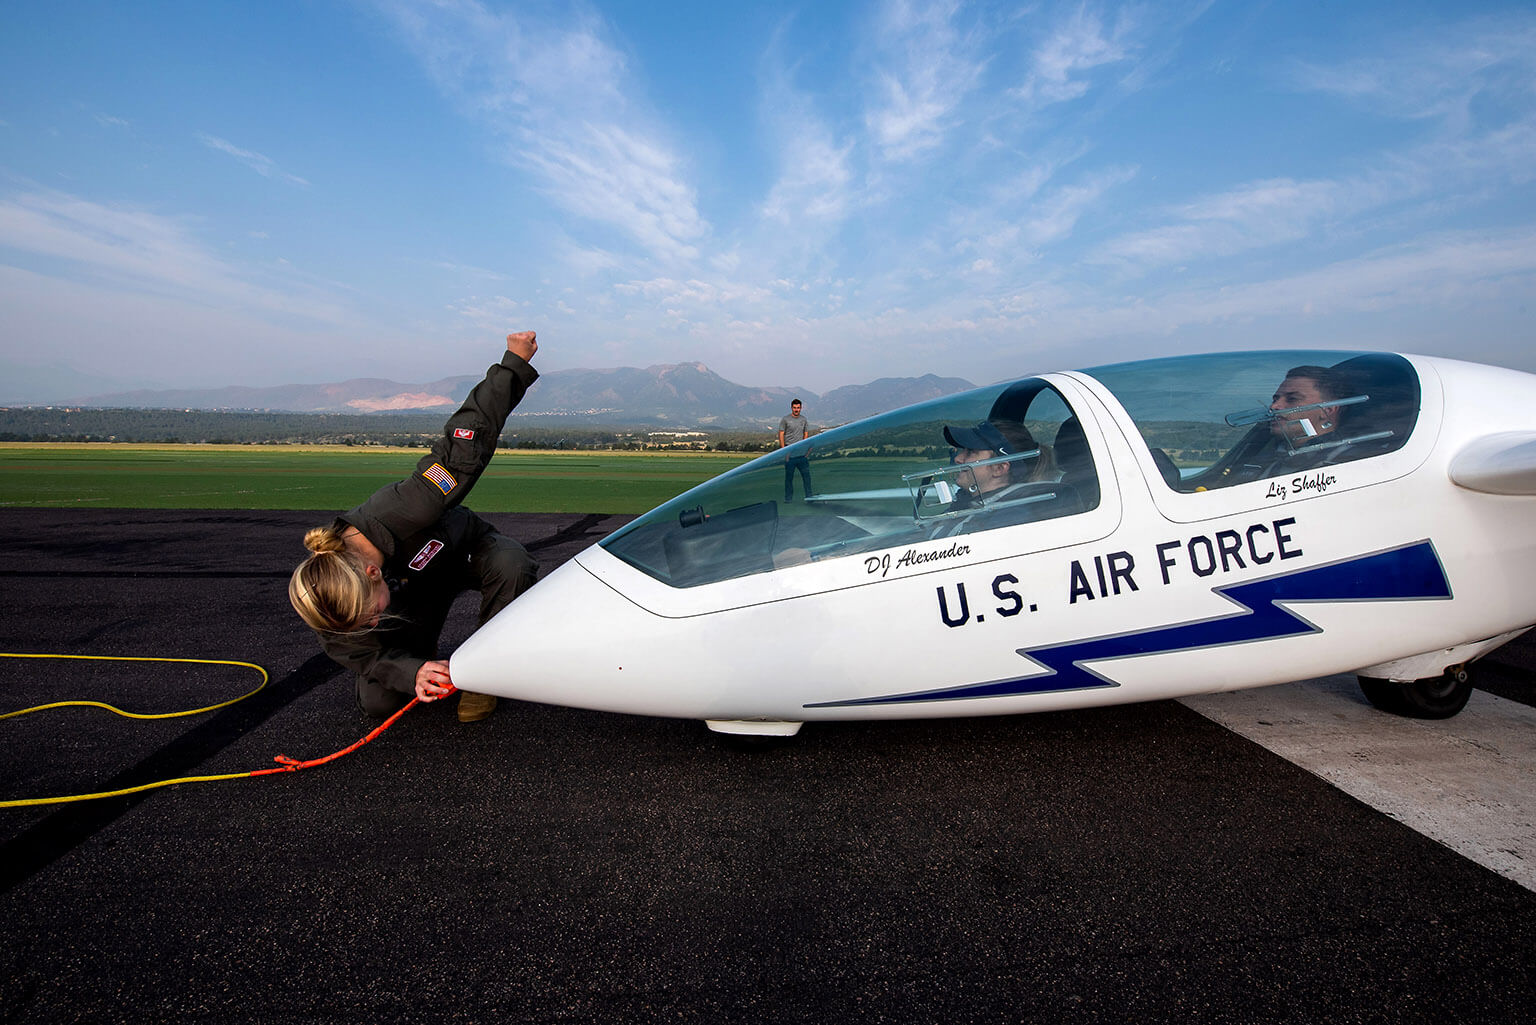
[474, 707]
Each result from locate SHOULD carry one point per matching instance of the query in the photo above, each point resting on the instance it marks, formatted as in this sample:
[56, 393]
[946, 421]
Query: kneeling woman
[380, 579]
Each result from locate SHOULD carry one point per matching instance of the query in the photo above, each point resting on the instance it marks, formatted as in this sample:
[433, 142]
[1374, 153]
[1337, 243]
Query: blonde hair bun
[324, 539]
[331, 590]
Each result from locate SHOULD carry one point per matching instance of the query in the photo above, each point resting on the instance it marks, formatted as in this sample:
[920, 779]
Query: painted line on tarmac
[1468, 782]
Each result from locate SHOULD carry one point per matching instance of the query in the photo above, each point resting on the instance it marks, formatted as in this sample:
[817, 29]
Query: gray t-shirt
[794, 428]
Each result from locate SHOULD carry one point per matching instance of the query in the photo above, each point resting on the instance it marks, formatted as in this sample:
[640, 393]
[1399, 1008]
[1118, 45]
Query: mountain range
[677, 394]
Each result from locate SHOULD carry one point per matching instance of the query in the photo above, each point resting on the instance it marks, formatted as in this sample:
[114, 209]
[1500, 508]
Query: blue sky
[211, 192]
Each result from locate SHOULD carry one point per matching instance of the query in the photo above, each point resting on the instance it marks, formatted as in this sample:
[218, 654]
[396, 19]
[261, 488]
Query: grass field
[325, 478]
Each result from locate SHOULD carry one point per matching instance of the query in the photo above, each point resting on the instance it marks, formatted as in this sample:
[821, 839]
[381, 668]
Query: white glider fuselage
[862, 605]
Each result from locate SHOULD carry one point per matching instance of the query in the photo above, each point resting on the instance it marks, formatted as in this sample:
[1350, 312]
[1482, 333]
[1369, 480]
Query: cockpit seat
[1392, 407]
[1075, 462]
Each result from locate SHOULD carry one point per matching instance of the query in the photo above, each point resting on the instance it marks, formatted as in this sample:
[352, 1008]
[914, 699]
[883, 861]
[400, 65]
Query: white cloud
[1441, 277]
[491, 314]
[815, 182]
[262, 165]
[563, 97]
[815, 185]
[926, 66]
[129, 249]
[1445, 271]
[1246, 217]
[1437, 72]
[1407, 187]
[695, 295]
[609, 174]
[1077, 44]
[1055, 216]
[115, 340]
[588, 260]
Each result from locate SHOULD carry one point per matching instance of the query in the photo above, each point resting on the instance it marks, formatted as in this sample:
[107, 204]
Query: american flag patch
[424, 556]
[464, 432]
[441, 477]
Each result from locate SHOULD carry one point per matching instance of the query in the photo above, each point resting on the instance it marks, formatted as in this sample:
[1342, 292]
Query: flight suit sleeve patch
[424, 556]
[441, 477]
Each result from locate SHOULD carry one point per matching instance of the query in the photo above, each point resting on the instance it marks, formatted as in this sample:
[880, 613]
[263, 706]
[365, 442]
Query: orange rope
[285, 763]
[294, 765]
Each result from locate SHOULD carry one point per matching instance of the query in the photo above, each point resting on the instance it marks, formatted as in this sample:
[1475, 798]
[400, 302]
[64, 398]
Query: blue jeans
[791, 464]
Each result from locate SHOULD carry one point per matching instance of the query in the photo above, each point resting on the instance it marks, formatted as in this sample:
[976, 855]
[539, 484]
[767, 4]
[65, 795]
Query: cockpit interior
[1017, 453]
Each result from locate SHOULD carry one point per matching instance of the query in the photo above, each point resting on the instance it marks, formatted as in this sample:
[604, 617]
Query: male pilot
[1297, 440]
[1306, 386]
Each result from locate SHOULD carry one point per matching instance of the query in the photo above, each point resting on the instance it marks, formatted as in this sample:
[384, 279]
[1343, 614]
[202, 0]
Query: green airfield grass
[322, 477]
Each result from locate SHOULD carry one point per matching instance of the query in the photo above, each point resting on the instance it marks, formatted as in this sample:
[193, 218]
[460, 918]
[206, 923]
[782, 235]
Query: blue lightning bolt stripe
[1410, 573]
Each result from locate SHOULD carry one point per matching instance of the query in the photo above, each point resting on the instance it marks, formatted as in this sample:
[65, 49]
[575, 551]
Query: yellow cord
[132, 658]
[30, 802]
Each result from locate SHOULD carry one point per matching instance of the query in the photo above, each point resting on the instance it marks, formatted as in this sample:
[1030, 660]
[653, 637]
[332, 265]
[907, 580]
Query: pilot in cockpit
[990, 476]
[1319, 416]
[1299, 430]
[1304, 426]
[998, 461]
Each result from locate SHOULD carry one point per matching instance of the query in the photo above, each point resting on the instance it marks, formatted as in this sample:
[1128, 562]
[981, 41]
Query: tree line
[43, 424]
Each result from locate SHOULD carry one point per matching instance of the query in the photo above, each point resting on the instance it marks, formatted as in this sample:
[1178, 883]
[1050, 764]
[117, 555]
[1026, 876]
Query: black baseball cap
[986, 437]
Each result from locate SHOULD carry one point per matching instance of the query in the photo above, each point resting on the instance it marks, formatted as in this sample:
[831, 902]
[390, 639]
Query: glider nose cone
[536, 649]
[575, 640]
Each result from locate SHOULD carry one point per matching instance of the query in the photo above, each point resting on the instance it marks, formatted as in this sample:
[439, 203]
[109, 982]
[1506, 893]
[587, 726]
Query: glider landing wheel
[1384, 694]
[1438, 697]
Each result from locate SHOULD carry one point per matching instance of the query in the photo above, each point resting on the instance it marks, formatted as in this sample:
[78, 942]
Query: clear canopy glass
[879, 483]
[1214, 421]
[1016, 453]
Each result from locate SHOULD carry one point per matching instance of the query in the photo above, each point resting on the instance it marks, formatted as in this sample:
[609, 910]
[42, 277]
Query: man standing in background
[793, 428]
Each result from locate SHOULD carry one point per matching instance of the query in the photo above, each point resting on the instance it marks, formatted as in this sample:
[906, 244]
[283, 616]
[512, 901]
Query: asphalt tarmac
[1140, 863]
